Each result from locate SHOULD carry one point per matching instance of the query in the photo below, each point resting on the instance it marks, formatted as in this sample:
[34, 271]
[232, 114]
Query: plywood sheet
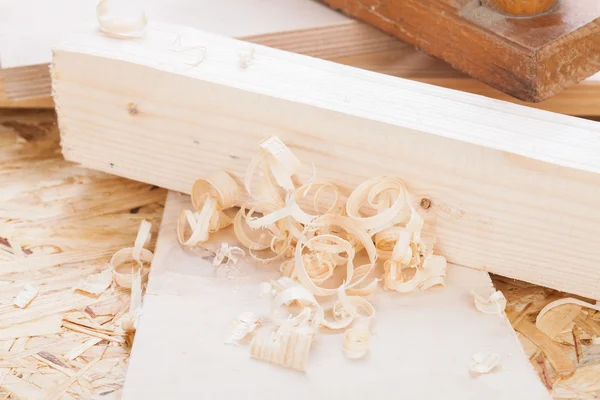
[421, 350]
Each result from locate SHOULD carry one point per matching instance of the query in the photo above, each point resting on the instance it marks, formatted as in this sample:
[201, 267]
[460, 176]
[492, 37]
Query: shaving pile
[377, 221]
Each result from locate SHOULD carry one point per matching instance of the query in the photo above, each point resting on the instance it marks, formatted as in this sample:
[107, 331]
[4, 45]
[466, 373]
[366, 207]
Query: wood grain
[355, 44]
[529, 58]
[514, 190]
[184, 285]
[520, 7]
[42, 198]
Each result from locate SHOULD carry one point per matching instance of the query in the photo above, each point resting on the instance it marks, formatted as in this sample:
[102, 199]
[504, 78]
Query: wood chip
[577, 343]
[286, 346]
[495, 303]
[53, 362]
[557, 319]
[96, 284]
[57, 393]
[43, 326]
[25, 296]
[484, 363]
[80, 349]
[557, 357]
[91, 332]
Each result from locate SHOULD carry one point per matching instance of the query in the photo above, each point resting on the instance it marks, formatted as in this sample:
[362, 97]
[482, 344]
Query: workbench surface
[69, 221]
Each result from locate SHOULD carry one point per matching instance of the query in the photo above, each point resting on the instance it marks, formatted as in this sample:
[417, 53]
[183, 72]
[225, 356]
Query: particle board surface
[513, 190]
[68, 222]
[422, 347]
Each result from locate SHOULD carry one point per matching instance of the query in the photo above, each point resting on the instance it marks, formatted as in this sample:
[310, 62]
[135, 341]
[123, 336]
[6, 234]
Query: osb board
[68, 221]
[420, 338]
[88, 215]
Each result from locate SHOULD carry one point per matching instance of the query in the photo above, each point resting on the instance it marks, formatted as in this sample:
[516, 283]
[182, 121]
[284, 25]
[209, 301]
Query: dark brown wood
[530, 58]
[520, 7]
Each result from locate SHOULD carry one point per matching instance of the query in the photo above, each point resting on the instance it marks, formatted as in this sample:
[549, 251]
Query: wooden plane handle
[521, 7]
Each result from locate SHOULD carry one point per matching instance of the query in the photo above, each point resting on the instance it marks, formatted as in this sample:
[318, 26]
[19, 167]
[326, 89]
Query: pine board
[513, 190]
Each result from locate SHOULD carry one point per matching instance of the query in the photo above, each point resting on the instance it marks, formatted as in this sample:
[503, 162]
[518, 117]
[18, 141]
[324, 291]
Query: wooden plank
[188, 308]
[336, 38]
[513, 190]
[26, 82]
[531, 58]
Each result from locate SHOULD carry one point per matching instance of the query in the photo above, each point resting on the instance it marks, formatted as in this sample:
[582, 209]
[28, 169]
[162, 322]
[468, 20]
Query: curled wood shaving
[356, 341]
[119, 25]
[242, 326]
[409, 263]
[130, 262]
[386, 195]
[232, 253]
[129, 321]
[348, 308]
[278, 164]
[484, 363]
[310, 310]
[96, 284]
[25, 296]
[210, 196]
[492, 304]
[378, 218]
[558, 303]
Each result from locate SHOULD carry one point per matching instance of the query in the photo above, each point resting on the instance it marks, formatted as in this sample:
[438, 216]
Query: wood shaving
[286, 346]
[484, 363]
[130, 320]
[492, 304]
[130, 262]
[119, 25]
[314, 245]
[356, 341]
[242, 327]
[558, 303]
[210, 196]
[96, 284]
[25, 296]
[231, 253]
